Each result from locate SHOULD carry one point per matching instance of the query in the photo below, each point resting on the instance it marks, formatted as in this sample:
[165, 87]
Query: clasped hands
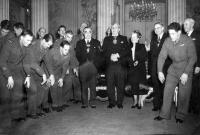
[114, 57]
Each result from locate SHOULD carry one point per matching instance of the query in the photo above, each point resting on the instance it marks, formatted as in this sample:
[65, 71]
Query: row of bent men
[34, 68]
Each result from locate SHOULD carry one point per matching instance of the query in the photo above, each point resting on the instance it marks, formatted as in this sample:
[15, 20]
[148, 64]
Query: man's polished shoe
[134, 106]
[93, 106]
[120, 106]
[158, 118]
[41, 114]
[139, 107]
[110, 106]
[19, 119]
[179, 120]
[155, 109]
[84, 106]
[65, 106]
[33, 116]
[46, 110]
[57, 109]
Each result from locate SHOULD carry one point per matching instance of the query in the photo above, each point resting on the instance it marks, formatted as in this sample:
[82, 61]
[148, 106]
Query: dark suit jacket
[196, 38]
[121, 47]
[137, 73]
[94, 54]
[155, 51]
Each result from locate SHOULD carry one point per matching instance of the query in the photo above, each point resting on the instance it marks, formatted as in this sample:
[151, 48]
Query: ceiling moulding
[154, 1]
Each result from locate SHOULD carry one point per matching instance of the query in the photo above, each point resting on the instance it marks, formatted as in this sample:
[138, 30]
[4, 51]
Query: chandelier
[142, 10]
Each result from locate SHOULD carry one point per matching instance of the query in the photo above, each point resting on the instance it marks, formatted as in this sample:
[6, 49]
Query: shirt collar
[190, 32]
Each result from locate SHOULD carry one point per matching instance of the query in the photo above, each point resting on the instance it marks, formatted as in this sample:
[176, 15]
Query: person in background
[115, 52]
[72, 85]
[41, 32]
[181, 49]
[108, 32]
[11, 66]
[88, 55]
[80, 33]
[155, 48]
[137, 67]
[195, 36]
[60, 35]
[4, 31]
[18, 28]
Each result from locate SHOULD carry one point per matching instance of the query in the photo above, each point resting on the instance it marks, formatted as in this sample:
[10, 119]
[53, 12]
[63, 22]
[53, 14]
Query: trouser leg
[171, 83]
[67, 89]
[32, 98]
[17, 99]
[183, 98]
[120, 77]
[76, 87]
[92, 86]
[111, 85]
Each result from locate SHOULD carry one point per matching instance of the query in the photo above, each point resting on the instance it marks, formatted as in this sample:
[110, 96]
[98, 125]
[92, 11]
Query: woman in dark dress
[137, 68]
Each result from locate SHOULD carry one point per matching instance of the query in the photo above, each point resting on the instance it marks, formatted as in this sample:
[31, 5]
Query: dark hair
[174, 26]
[69, 32]
[63, 43]
[18, 25]
[27, 32]
[48, 37]
[57, 34]
[107, 32]
[37, 34]
[5, 24]
[139, 35]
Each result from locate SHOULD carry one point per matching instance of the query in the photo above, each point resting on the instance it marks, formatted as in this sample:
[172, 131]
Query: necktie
[158, 41]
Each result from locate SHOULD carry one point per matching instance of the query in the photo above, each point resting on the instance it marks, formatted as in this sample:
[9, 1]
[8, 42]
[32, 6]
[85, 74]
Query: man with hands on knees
[12, 72]
[181, 49]
[37, 90]
[59, 59]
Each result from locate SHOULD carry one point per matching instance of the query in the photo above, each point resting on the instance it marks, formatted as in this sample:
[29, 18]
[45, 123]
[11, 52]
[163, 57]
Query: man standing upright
[191, 32]
[88, 55]
[155, 47]
[115, 51]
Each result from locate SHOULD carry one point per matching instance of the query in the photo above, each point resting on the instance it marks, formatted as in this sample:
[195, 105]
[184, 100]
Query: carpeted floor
[102, 121]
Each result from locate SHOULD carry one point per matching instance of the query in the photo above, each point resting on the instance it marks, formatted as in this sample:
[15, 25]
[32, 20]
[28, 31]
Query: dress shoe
[65, 106]
[93, 106]
[179, 120]
[76, 101]
[84, 106]
[57, 109]
[158, 118]
[41, 114]
[134, 106]
[139, 107]
[46, 110]
[120, 106]
[33, 116]
[155, 109]
[110, 106]
[19, 119]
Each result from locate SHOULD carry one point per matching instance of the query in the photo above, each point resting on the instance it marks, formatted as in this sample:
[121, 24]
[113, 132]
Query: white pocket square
[182, 44]
[193, 38]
